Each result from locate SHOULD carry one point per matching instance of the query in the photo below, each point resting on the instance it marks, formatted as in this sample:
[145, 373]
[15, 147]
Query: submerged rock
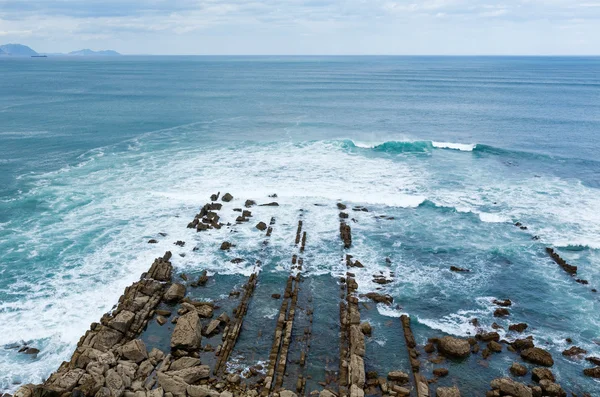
[518, 370]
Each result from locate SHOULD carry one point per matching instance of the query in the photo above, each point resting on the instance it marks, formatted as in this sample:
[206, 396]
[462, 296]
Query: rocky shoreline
[112, 360]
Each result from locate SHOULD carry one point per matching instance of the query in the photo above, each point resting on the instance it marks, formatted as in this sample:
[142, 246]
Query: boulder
[522, 344]
[201, 391]
[501, 312]
[552, 389]
[510, 387]
[249, 203]
[357, 341]
[447, 392]
[261, 226]
[122, 321]
[574, 351]
[191, 374]
[170, 384]
[520, 327]
[366, 328]
[537, 356]
[379, 298]
[175, 293]
[502, 302]
[327, 393]
[226, 245]
[539, 373]
[454, 347]
[440, 372]
[592, 372]
[212, 327]
[187, 333]
[135, 351]
[488, 336]
[398, 376]
[356, 391]
[183, 363]
[227, 197]
[518, 370]
[114, 382]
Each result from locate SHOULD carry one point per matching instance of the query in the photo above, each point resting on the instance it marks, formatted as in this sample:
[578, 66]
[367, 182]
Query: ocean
[99, 155]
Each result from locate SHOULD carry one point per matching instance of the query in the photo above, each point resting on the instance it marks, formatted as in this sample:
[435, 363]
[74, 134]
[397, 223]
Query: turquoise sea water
[99, 155]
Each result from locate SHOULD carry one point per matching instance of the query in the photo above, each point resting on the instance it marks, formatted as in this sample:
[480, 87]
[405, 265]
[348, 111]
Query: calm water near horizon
[98, 155]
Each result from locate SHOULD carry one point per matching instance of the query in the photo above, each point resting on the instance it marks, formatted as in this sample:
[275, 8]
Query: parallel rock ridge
[111, 361]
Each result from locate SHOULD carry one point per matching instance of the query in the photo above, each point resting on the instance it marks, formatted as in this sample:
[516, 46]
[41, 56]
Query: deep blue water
[98, 155]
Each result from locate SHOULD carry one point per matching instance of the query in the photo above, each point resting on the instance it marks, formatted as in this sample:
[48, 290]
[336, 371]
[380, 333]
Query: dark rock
[497, 326]
[574, 351]
[517, 327]
[488, 336]
[226, 245]
[537, 356]
[494, 346]
[572, 270]
[227, 197]
[274, 195]
[379, 298]
[594, 360]
[592, 372]
[249, 203]
[261, 226]
[509, 387]
[152, 241]
[214, 197]
[31, 350]
[180, 243]
[440, 372]
[522, 344]
[273, 204]
[501, 312]
[343, 215]
[459, 269]
[429, 348]
[502, 302]
[276, 296]
[341, 206]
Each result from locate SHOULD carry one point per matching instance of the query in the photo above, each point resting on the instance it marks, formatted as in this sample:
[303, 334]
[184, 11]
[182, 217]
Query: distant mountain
[17, 50]
[88, 52]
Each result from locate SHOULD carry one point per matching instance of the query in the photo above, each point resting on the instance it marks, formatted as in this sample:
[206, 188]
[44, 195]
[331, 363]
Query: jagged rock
[249, 203]
[398, 376]
[161, 320]
[187, 333]
[201, 391]
[459, 269]
[501, 312]
[227, 197]
[175, 293]
[537, 356]
[114, 382]
[517, 327]
[171, 384]
[122, 321]
[379, 298]
[574, 351]
[134, 350]
[24, 391]
[594, 360]
[551, 389]
[440, 372]
[204, 310]
[179, 243]
[152, 241]
[454, 347]
[488, 336]
[261, 226]
[522, 344]
[539, 373]
[366, 328]
[494, 346]
[214, 197]
[592, 372]
[183, 363]
[212, 327]
[191, 375]
[401, 391]
[357, 370]
[518, 370]
[509, 387]
[356, 391]
[357, 341]
[502, 302]
[447, 392]
[234, 379]
[226, 245]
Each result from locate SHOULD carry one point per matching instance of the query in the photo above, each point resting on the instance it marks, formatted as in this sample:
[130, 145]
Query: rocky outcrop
[447, 392]
[187, 333]
[509, 387]
[592, 372]
[537, 356]
[454, 347]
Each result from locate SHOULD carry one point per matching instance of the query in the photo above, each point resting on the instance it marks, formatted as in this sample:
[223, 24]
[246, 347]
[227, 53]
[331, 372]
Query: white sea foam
[465, 147]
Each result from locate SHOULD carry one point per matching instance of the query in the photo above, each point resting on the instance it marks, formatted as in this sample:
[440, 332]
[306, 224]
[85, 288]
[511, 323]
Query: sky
[305, 27]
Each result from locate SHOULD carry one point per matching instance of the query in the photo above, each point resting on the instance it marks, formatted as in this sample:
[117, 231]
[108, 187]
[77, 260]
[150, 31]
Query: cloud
[342, 26]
